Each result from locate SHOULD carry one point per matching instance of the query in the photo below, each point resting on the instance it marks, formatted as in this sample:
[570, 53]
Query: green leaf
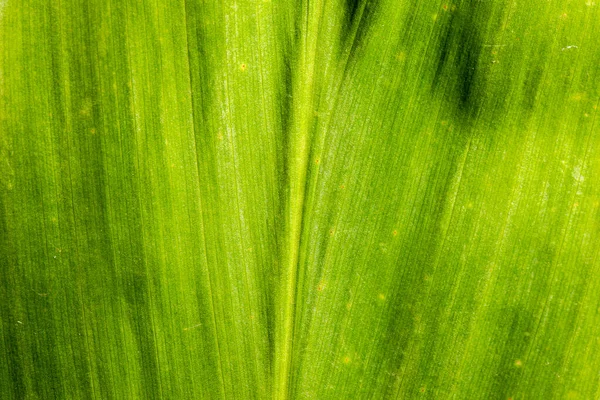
[269, 199]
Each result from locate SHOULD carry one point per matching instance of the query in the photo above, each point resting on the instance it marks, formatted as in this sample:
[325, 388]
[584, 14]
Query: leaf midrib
[297, 166]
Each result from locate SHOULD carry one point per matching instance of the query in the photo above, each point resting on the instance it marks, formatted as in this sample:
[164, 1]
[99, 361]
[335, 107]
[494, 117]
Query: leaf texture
[270, 199]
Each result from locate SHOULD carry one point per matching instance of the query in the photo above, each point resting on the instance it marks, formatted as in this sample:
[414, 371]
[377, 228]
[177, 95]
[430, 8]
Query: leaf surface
[299, 200]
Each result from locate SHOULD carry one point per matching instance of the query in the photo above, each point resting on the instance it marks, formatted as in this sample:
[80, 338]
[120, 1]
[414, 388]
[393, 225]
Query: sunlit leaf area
[310, 199]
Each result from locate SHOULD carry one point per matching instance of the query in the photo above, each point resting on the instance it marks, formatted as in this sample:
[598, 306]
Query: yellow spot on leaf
[381, 296]
[395, 232]
[321, 286]
[347, 360]
[573, 395]
[191, 327]
[243, 67]
[518, 363]
[86, 108]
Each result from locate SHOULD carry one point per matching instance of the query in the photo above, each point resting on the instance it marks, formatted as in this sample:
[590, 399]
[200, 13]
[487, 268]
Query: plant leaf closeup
[271, 199]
